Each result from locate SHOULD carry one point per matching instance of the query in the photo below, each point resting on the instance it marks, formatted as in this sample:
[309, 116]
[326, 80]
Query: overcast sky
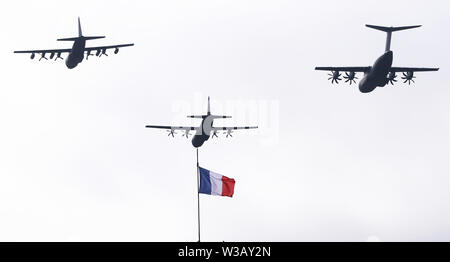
[327, 164]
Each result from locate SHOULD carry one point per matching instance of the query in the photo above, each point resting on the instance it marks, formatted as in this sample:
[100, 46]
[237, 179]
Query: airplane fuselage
[204, 132]
[77, 54]
[377, 76]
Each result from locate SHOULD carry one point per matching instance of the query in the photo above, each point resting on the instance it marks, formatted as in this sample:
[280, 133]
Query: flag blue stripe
[205, 181]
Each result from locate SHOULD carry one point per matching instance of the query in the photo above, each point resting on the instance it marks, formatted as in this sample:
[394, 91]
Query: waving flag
[215, 184]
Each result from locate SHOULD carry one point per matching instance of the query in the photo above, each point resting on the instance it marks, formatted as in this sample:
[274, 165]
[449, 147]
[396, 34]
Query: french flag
[214, 184]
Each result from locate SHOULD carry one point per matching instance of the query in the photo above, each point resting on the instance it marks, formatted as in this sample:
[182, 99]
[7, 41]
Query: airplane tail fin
[80, 35]
[202, 116]
[209, 113]
[209, 107]
[389, 31]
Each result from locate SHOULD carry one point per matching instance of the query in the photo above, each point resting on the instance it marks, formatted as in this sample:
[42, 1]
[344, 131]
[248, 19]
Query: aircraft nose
[196, 145]
[197, 141]
[366, 86]
[70, 65]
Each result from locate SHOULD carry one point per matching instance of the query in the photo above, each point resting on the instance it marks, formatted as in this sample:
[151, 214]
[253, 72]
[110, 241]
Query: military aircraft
[77, 52]
[382, 72]
[203, 132]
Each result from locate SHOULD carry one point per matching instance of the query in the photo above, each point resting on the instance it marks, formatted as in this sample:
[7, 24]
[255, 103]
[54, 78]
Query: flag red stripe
[227, 186]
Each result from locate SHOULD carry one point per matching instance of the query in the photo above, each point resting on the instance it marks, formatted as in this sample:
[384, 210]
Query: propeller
[350, 77]
[214, 134]
[335, 77]
[186, 133]
[392, 78]
[408, 77]
[88, 54]
[171, 133]
[229, 133]
[103, 53]
[58, 55]
[43, 57]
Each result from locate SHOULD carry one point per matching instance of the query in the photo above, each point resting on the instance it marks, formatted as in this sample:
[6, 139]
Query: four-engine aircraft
[202, 132]
[382, 72]
[78, 50]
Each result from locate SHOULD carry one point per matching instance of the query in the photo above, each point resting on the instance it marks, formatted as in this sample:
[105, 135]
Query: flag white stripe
[216, 183]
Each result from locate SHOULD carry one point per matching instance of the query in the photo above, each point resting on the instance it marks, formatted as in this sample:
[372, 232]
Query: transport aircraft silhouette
[78, 50]
[382, 72]
[205, 130]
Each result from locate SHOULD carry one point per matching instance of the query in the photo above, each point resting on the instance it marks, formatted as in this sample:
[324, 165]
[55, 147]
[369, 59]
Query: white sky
[328, 163]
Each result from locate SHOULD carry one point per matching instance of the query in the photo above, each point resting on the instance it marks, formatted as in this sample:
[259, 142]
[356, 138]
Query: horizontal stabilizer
[81, 38]
[92, 37]
[198, 116]
[214, 116]
[68, 39]
[392, 29]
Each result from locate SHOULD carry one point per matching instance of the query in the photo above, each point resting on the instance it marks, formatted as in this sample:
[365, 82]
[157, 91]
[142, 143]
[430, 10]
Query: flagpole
[198, 197]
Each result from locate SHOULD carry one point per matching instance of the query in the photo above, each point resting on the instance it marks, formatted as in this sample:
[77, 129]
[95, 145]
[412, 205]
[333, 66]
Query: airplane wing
[103, 49]
[363, 69]
[44, 51]
[174, 127]
[408, 73]
[229, 130]
[216, 128]
[52, 53]
[412, 69]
